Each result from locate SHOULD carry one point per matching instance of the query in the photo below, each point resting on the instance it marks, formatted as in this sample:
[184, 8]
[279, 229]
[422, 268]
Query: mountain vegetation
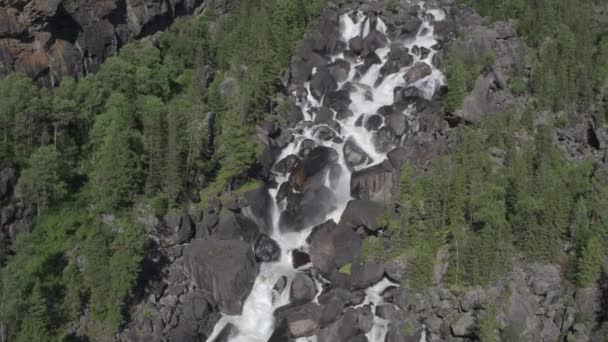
[138, 131]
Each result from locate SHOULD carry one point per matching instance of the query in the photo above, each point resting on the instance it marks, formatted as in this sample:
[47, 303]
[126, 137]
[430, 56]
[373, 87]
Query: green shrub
[518, 86]
[392, 5]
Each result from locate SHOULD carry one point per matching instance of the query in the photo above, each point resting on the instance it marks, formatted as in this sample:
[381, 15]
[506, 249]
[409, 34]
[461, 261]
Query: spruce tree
[117, 175]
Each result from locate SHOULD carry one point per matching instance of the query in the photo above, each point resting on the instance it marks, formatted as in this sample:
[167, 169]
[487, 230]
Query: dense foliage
[137, 131]
[506, 191]
[569, 42]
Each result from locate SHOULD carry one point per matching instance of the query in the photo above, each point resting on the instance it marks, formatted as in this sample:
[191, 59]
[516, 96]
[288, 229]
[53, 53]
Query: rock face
[51, 39]
[223, 269]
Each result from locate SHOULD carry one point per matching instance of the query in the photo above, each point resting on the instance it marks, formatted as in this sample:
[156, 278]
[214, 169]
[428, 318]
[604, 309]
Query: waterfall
[368, 93]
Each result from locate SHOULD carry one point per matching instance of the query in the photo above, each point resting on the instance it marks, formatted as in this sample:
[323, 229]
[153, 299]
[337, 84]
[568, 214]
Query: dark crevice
[592, 138]
[64, 26]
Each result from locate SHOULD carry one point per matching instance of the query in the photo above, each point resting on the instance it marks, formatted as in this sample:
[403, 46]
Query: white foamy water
[256, 323]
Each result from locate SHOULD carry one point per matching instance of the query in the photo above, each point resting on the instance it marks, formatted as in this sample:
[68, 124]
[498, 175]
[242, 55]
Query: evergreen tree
[35, 328]
[152, 111]
[589, 263]
[42, 182]
[456, 81]
[117, 170]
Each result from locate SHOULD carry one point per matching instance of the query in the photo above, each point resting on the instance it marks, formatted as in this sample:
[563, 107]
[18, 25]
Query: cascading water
[368, 93]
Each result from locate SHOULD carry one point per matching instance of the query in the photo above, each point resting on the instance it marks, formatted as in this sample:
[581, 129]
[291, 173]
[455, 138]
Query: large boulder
[309, 171]
[180, 229]
[342, 330]
[417, 72]
[307, 209]
[234, 226]
[373, 183]
[339, 69]
[224, 270]
[463, 325]
[300, 320]
[266, 249]
[322, 83]
[374, 40]
[303, 289]
[332, 246]
[354, 155]
[479, 102]
[365, 274]
[362, 213]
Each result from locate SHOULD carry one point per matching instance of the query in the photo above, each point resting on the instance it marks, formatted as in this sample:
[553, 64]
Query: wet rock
[280, 285]
[323, 115]
[369, 60]
[286, 164]
[258, 200]
[322, 83]
[338, 100]
[385, 139]
[339, 70]
[341, 330]
[306, 209]
[356, 45]
[419, 71]
[299, 258]
[365, 318]
[333, 304]
[281, 334]
[374, 122]
[344, 114]
[266, 249]
[353, 155]
[362, 213]
[223, 269]
[405, 24]
[397, 123]
[359, 338]
[373, 183]
[228, 332]
[284, 191]
[300, 70]
[374, 40]
[317, 161]
[404, 93]
[303, 289]
[325, 133]
[463, 326]
[301, 320]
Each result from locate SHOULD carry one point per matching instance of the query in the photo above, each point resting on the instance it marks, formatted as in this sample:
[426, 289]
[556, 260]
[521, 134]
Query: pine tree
[174, 173]
[43, 181]
[152, 112]
[116, 173]
[456, 81]
[589, 263]
[35, 327]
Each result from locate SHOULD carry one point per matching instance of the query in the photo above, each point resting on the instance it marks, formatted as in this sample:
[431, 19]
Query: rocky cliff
[52, 39]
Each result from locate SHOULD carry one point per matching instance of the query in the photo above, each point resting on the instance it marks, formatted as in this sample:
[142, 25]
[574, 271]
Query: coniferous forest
[172, 124]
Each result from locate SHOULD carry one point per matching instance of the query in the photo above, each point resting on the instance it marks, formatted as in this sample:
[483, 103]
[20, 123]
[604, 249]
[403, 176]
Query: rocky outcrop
[52, 39]
[15, 216]
[222, 269]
